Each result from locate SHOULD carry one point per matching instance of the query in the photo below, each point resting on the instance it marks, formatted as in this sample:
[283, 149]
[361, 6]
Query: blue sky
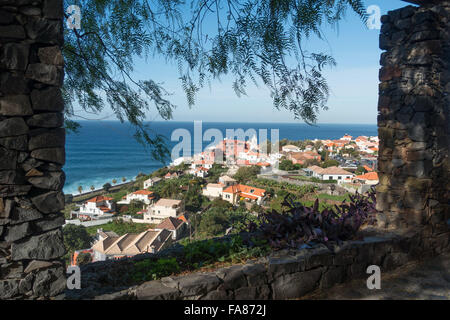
[353, 82]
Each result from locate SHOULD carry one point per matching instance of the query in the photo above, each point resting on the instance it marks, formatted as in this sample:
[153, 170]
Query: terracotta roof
[243, 189]
[368, 176]
[335, 170]
[99, 199]
[170, 223]
[143, 192]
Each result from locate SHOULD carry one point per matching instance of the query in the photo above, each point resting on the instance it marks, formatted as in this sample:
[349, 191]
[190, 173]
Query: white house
[200, 172]
[213, 190]
[151, 182]
[335, 173]
[97, 208]
[145, 196]
[290, 148]
[164, 208]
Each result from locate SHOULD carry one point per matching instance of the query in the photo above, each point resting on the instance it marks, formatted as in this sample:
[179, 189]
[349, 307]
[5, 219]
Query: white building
[97, 208]
[213, 190]
[290, 148]
[151, 182]
[200, 172]
[145, 196]
[164, 208]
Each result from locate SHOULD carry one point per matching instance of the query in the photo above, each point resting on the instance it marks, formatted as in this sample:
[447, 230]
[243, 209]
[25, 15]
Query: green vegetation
[75, 238]
[215, 172]
[329, 163]
[120, 227]
[107, 186]
[245, 174]
[68, 209]
[197, 255]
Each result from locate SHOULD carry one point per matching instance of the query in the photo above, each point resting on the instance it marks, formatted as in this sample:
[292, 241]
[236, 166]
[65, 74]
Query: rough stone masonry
[31, 149]
[413, 120]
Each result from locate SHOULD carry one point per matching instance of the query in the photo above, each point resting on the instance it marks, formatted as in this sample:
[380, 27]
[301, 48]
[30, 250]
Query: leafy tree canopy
[262, 42]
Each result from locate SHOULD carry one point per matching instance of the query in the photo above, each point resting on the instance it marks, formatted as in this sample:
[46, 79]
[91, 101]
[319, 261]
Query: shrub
[301, 224]
[147, 270]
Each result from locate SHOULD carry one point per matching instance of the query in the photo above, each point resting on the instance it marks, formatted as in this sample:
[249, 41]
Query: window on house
[330, 178]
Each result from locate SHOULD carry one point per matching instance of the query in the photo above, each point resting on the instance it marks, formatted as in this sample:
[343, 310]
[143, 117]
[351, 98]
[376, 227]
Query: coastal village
[201, 197]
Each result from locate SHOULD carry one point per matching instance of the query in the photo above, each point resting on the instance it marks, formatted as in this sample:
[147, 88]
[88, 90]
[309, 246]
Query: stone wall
[414, 120]
[31, 149]
[287, 274]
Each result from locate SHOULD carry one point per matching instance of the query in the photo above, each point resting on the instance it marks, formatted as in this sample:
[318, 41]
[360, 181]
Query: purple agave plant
[303, 225]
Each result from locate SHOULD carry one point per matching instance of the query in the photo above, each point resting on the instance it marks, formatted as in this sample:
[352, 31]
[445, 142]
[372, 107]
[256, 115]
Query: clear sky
[353, 82]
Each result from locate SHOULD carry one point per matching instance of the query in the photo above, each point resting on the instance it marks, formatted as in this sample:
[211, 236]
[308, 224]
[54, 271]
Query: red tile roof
[100, 199]
[368, 176]
[245, 190]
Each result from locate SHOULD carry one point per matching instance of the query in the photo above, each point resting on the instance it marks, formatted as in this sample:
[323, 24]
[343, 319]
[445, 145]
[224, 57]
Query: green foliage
[198, 254]
[245, 174]
[329, 163]
[76, 238]
[286, 165]
[214, 222]
[160, 173]
[107, 186]
[254, 40]
[148, 270]
[360, 170]
[120, 227]
[84, 258]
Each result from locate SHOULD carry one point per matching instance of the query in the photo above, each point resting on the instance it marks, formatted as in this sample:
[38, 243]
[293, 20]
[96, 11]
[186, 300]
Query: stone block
[49, 202]
[49, 181]
[155, 290]
[57, 155]
[232, 277]
[332, 276]
[45, 246]
[9, 288]
[48, 139]
[45, 73]
[49, 99]
[8, 159]
[295, 285]
[49, 282]
[14, 56]
[13, 32]
[46, 120]
[13, 127]
[19, 143]
[51, 55]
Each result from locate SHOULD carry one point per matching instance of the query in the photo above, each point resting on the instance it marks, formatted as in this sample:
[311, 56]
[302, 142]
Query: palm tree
[80, 189]
[114, 181]
[92, 188]
[124, 179]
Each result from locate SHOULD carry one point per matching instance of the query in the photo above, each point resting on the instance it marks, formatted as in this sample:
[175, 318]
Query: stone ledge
[286, 274]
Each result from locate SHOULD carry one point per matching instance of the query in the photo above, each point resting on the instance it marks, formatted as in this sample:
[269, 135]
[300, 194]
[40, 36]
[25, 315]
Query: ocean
[105, 150]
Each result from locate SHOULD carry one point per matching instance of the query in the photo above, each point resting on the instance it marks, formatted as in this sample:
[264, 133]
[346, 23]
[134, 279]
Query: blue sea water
[104, 150]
